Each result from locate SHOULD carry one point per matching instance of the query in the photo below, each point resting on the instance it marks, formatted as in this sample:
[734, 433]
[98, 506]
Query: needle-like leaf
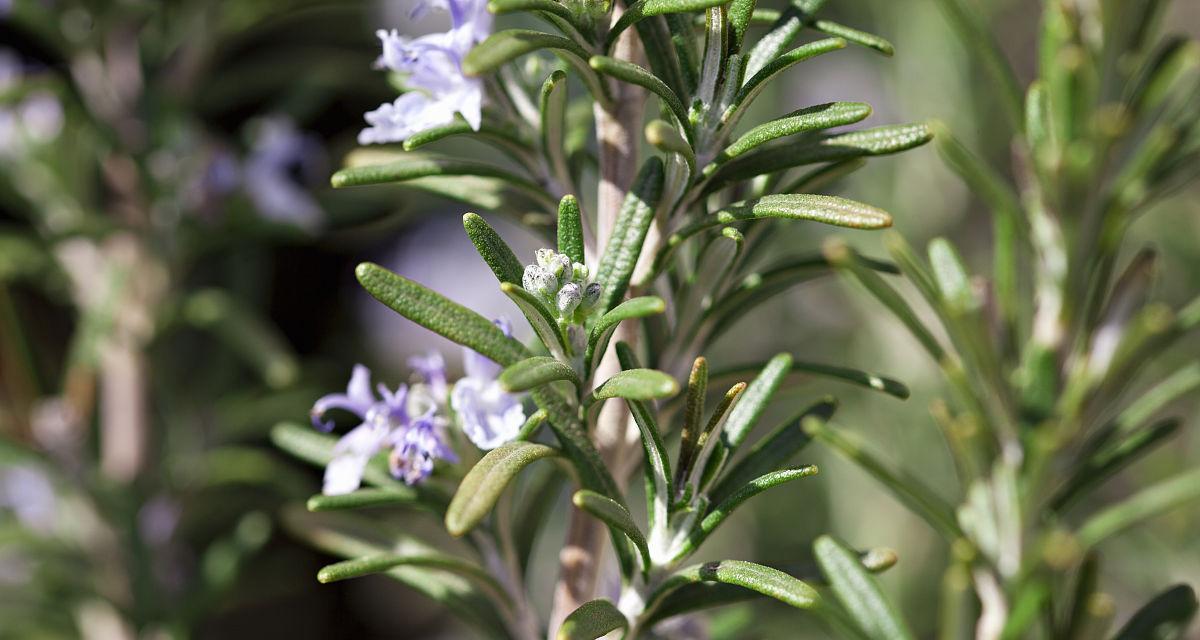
[484, 483]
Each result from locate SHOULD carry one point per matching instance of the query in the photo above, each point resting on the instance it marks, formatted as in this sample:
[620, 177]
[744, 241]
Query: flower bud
[591, 295]
[580, 272]
[561, 268]
[544, 257]
[569, 297]
[539, 281]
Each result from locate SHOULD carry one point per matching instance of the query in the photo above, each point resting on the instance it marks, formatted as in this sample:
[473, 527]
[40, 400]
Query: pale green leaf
[438, 314]
[535, 372]
[484, 483]
[593, 619]
[492, 248]
[859, 592]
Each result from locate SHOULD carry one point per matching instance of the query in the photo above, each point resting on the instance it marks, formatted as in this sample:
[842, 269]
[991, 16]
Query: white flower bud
[545, 258]
[561, 268]
[569, 297]
[538, 281]
[580, 272]
[591, 295]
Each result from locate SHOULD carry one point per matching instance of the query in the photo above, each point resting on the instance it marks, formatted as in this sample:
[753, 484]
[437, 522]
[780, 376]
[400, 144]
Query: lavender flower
[401, 421]
[489, 415]
[432, 369]
[36, 120]
[27, 491]
[281, 164]
[432, 66]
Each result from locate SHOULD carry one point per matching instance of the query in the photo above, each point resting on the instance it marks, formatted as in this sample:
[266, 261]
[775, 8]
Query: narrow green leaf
[368, 565]
[693, 416]
[769, 582]
[362, 498]
[501, 7]
[631, 309]
[779, 157]
[823, 177]
[534, 422]
[717, 514]
[1082, 602]
[823, 116]
[985, 181]
[791, 206]
[636, 384]
[683, 40]
[1112, 459]
[1142, 506]
[438, 314]
[540, 318]
[844, 257]
[505, 46]
[773, 451]
[645, 8]
[757, 396]
[741, 12]
[423, 166]
[535, 372]
[862, 38]
[492, 248]
[553, 103]
[504, 138]
[570, 229]
[633, 74]
[951, 277]
[979, 40]
[1181, 381]
[659, 43]
[759, 77]
[759, 286]
[692, 469]
[659, 488]
[593, 619]
[1165, 617]
[666, 138]
[566, 424]
[629, 233]
[484, 483]
[616, 516]
[858, 591]
[346, 536]
[908, 490]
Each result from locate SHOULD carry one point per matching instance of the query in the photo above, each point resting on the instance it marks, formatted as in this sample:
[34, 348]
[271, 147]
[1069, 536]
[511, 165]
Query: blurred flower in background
[431, 67]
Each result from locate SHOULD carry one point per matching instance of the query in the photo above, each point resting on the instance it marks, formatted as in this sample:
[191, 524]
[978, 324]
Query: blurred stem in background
[1043, 356]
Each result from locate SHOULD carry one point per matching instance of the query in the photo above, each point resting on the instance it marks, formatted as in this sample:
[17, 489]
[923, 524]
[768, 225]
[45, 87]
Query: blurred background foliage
[136, 237]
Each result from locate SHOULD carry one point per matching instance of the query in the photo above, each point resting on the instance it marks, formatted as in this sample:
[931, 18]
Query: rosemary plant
[641, 274]
[1044, 359]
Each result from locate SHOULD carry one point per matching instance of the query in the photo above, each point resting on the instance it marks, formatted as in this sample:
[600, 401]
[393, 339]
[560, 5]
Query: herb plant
[651, 256]
[1058, 363]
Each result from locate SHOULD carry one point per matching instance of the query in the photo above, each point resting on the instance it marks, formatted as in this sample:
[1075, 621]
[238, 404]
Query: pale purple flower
[432, 70]
[27, 491]
[36, 119]
[432, 369]
[403, 421]
[489, 415]
[282, 164]
[158, 519]
[415, 449]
